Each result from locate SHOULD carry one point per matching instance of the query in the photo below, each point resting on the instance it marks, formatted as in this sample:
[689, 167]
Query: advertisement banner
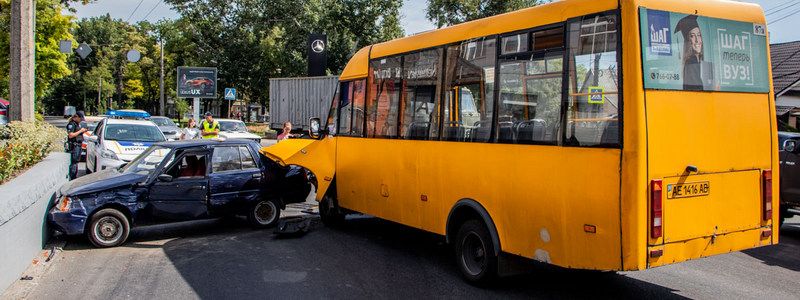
[197, 82]
[696, 53]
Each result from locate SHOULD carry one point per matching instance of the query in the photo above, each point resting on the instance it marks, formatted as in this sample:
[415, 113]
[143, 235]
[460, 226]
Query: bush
[23, 144]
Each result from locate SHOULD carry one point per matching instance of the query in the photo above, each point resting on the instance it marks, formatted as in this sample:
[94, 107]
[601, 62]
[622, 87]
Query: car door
[790, 173]
[91, 146]
[180, 191]
[234, 184]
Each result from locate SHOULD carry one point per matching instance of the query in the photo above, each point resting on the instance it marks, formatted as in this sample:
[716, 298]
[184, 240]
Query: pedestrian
[287, 132]
[210, 128]
[74, 140]
[190, 132]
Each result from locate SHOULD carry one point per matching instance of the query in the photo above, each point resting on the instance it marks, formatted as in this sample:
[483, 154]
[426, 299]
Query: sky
[413, 12]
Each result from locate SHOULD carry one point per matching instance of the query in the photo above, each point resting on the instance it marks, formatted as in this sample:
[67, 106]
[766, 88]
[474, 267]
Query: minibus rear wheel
[475, 254]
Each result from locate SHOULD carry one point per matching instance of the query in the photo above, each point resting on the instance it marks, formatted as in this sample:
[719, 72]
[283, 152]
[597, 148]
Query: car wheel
[475, 254]
[108, 228]
[329, 212]
[265, 213]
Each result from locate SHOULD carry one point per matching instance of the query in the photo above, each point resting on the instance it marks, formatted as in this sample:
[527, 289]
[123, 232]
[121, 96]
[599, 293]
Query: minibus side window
[593, 102]
[346, 107]
[529, 110]
[422, 82]
[333, 113]
[468, 103]
[384, 97]
[359, 88]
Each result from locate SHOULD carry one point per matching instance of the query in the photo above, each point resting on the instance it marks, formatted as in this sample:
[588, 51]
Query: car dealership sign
[197, 82]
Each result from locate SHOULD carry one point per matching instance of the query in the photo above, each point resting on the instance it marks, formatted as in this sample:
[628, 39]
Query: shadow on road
[785, 253]
[369, 257]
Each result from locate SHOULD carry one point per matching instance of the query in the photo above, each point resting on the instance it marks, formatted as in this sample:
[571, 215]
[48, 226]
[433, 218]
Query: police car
[118, 141]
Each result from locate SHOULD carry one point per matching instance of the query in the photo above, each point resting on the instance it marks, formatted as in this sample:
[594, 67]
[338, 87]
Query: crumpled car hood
[100, 181]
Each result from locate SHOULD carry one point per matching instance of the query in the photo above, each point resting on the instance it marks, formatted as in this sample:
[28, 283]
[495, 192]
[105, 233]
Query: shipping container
[298, 99]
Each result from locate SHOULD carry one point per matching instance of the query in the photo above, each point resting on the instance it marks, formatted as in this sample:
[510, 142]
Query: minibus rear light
[766, 195]
[656, 220]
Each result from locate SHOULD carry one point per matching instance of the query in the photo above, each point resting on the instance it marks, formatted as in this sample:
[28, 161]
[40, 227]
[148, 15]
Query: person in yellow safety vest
[210, 128]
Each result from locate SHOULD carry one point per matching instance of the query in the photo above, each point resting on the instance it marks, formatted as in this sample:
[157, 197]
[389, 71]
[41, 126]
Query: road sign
[596, 95]
[230, 94]
[83, 50]
[65, 46]
[197, 82]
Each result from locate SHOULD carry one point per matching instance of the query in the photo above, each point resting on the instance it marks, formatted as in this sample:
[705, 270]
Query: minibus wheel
[108, 228]
[475, 253]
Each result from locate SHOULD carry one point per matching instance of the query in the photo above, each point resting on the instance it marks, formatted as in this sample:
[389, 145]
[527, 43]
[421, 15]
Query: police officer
[210, 128]
[74, 140]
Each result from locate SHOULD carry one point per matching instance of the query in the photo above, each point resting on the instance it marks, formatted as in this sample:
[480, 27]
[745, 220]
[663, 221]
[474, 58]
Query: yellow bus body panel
[315, 155]
[416, 183]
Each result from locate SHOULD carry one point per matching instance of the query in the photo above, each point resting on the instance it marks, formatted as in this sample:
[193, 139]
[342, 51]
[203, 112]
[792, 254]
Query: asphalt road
[371, 258]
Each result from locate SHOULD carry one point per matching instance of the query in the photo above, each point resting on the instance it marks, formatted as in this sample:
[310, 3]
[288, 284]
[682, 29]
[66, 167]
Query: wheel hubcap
[473, 254]
[108, 229]
[265, 212]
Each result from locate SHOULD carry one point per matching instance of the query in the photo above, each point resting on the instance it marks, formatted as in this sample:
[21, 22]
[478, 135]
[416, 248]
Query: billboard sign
[691, 52]
[197, 82]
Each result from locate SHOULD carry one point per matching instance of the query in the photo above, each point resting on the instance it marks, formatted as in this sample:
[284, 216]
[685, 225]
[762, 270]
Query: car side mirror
[165, 178]
[91, 138]
[314, 128]
[790, 146]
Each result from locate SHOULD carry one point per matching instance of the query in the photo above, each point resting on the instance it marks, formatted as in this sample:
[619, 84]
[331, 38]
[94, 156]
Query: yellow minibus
[588, 134]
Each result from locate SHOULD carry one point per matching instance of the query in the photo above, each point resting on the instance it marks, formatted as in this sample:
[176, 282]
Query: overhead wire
[784, 17]
[151, 10]
[779, 6]
[782, 9]
[134, 10]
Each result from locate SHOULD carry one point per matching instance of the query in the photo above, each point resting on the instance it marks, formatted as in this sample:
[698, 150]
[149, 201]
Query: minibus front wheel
[475, 254]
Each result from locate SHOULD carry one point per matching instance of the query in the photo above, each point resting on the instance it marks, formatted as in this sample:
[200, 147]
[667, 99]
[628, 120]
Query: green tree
[451, 12]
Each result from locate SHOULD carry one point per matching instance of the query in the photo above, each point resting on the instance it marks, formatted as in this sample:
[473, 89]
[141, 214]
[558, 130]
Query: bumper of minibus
[711, 245]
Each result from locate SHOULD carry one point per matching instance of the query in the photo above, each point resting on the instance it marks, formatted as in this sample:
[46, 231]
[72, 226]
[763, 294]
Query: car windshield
[146, 162]
[162, 121]
[134, 133]
[235, 126]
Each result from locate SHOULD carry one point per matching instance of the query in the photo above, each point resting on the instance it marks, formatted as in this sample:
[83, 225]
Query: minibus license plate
[685, 190]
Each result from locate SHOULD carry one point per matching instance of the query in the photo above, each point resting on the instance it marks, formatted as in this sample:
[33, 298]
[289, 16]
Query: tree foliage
[451, 12]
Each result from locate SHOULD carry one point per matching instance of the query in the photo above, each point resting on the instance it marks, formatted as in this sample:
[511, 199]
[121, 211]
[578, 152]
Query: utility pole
[22, 77]
[99, 94]
[161, 80]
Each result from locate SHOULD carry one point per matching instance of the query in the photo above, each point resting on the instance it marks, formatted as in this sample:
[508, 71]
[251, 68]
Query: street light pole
[161, 80]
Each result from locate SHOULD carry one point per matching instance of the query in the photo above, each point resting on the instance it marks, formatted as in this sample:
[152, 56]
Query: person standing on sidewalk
[210, 128]
[190, 132]
[74, 139]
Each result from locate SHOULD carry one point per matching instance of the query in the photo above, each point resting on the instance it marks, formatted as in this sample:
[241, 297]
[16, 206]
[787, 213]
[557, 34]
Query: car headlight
[63, 205]
[109, 154]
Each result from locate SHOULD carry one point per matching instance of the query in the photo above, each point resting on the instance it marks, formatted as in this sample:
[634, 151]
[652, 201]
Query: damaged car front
[119, 188]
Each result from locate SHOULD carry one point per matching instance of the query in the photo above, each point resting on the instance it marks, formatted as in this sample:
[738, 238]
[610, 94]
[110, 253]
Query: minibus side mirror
[314, 128]
[790, 146]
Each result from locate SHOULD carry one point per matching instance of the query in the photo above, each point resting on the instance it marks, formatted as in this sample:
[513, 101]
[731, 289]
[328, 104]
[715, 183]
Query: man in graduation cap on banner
[698, 75]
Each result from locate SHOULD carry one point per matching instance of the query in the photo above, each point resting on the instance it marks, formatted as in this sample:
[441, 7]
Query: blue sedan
[177, 181]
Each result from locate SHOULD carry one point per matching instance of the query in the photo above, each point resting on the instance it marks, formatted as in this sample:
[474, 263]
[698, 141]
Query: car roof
[229, 120]
[788, 134]
[202, 142]
[159, 117]
[130, 122]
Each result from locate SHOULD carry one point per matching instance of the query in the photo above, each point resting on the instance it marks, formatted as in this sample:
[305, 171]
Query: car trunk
[727, 137]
